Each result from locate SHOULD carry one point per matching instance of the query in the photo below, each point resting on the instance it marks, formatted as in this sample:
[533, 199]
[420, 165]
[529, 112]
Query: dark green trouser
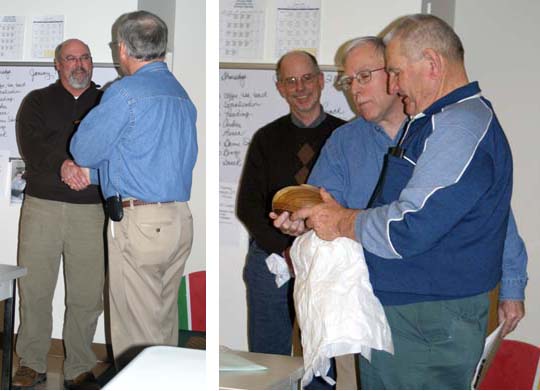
[437, 345]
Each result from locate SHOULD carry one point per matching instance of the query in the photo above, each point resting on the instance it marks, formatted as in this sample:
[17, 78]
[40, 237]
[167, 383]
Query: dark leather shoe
[85, 381]
[26, 377]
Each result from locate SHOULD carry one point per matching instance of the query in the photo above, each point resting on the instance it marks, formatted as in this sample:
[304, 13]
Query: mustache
[79, 69]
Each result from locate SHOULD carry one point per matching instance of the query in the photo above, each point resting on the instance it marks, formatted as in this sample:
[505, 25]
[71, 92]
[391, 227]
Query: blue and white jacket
[437, 229]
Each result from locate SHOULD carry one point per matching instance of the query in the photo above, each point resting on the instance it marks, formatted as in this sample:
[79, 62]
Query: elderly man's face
[371, 99]
[299, 84]
[75, 65]
[409, 79]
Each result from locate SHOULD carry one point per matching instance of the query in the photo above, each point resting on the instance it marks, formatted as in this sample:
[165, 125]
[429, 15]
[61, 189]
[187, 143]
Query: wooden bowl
[293, 198]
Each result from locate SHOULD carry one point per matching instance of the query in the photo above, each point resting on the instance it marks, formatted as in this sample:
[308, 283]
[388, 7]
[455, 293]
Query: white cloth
[335, 306]
[277, 265]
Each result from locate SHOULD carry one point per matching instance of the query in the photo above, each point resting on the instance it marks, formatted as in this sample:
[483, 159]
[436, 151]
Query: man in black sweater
[57, 221]
[281, 154]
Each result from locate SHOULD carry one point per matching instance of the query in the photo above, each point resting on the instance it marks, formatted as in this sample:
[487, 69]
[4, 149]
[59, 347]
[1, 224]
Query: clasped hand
[328, 219]
[77, 178]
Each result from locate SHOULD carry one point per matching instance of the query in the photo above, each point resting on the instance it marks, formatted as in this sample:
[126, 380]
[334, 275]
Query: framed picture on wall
[18, 182]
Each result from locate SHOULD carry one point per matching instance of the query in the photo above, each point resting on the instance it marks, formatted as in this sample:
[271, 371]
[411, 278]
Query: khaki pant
[147, 253]
[48, 230]
[346, 372]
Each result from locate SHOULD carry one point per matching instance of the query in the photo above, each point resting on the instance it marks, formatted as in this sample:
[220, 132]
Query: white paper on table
[230, 361]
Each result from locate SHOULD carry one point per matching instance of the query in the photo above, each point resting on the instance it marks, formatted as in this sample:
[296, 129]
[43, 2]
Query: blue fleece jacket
[437, 228]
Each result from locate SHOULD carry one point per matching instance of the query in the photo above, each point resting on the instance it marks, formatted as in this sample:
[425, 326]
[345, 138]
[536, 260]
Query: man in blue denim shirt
[142, 141]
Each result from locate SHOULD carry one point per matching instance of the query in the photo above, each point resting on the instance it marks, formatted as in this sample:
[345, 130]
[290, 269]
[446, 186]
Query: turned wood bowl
[293, 198]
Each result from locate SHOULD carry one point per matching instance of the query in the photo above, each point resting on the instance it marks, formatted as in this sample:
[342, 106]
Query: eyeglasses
[308, 78]
[362, 77]
[73, 59]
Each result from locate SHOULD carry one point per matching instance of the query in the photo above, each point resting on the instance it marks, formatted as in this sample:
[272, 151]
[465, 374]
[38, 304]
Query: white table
[8, 276]
[163, 368]
[283, 373]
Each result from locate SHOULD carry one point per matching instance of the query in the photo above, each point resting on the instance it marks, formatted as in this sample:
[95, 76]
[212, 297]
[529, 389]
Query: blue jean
[271, 311]
[437, 345]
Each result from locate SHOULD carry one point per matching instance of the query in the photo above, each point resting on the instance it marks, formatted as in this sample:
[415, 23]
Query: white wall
[88, 21]
[502, 52]
[340, 21]
[91, 22]
[189, 61]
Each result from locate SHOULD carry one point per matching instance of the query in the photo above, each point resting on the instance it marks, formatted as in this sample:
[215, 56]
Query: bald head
[68, 42]
[295, 56]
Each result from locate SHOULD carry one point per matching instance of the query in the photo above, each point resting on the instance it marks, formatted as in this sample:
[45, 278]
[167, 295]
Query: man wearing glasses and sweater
[281, 154]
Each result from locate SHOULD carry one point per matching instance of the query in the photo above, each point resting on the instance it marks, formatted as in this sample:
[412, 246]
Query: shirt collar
[314, 124]
[381, 130]
[455, 96]
[152, 66]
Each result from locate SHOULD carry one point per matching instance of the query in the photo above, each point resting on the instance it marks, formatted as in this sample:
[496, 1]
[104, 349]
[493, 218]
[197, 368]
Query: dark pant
[271, 311]
[437, 345]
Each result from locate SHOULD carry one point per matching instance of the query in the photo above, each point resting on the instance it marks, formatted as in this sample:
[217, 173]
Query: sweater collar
[314, 124]
[61, 87]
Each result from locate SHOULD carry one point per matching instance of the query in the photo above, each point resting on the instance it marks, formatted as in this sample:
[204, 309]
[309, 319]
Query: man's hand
[512, 311]
[286, 225]
[75, 177]
[329, 219]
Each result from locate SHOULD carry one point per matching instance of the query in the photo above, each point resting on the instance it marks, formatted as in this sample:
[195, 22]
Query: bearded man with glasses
[59, 222]
[281, 154]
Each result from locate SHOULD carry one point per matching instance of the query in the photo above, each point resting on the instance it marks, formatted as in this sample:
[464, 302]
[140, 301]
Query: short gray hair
[420, 31]
[143, 33]
[376, 42]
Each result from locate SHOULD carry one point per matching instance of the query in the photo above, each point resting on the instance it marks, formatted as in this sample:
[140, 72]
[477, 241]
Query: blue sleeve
[94, 177]
[329, 171]
[99, 131]
[514, 275]
[450, 176]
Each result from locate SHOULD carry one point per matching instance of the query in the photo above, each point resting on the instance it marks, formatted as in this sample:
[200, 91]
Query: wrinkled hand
[286, 225]
[512, 311]
[329, 219]
[77, 178]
